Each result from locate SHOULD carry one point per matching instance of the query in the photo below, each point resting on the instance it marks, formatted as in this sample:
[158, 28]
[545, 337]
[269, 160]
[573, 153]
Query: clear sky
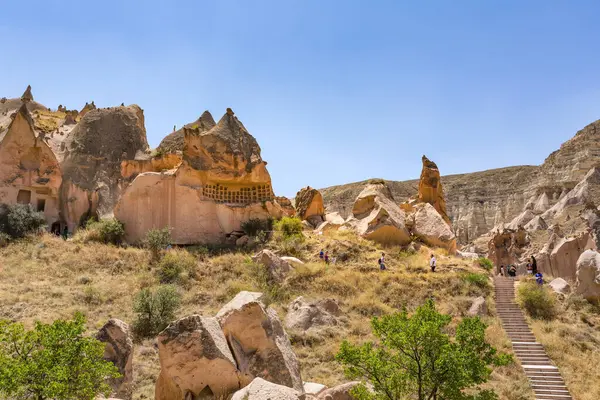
[334, 91]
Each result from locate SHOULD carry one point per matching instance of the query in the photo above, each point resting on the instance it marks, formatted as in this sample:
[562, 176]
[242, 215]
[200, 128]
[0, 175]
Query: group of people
[324, 255]
[532, 269]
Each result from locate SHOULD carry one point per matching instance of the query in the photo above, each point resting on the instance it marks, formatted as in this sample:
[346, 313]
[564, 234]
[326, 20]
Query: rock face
[174, 142]
[259, 344]
[286, 205]
[195, 361]
[92, 163]
[588, 275]
[277, 268]
[260, 389]
[559, 285]
[378, 217]
[430, 188]
[29, 170]
[27, 96]
[340, 392]
[303, 315]
[506, 247]
[309, 205]
[119, 350]
[559, 257]
[221, 182]
[431, 228]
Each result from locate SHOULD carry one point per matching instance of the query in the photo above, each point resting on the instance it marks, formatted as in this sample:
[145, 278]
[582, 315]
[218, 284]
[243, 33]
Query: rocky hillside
[479, 201]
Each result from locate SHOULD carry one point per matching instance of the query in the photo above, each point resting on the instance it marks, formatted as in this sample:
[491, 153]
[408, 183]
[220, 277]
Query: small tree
[416, 358]
[52, 361]
[485, 263]
[154, 310]
[157, 240]
[19, 220]
[289, 227]
[538, 301]
[177, 266]
[109, 230]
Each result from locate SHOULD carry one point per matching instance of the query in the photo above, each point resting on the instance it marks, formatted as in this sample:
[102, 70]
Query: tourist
[321, 254]
[529, 269]
[502, 272]
[533, 265]
[512, 270]
[539, 278]
[326, 257]
[65, 233]
[381, 262]
[432, 263]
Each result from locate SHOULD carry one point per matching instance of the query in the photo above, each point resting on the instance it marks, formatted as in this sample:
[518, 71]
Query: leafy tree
[538, 301]
[154, 310]
[157, 240]
[289, 227]
[20, 220]
[415, 358]
[177, 266]
[109, 230]
[257, 226]
[52, 361]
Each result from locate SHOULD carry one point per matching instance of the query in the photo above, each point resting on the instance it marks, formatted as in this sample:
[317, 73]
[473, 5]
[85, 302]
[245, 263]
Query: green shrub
[255, 226]
[479, 280]
[485, 263]
[264, 282]
[52, 361]
[20, 220]
[176, 266]
[291, 246]
[4, 239]
[538, 301]
[157, 240]
[109, 230]
[288, 227]
[200, 252]
[154, 310]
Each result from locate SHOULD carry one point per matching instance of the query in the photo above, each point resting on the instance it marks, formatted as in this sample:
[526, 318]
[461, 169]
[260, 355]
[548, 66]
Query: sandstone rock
[313, 388]
[588, 275]
[478, 307]
[430, 188]
[27, 96]
[70, 119]
[586, 190]
[506, 247]
[559, 285]
[431, 228]
[174, 142]
[119, 350]
[242, 241]
[258, 342]
[195, 361]
[303, 315]
[536, 224]
[286, 205]
[278, 269]
[378, 217]
[292, 261]
[520, 220]
[466, 254]
[309, 205]
[87, 108]
[260, 389]
[340, 392]
[541, 204]
[559, 257]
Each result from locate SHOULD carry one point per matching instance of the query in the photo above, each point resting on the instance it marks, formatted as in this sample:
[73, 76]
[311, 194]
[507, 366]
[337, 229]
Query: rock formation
[92, 165]
[430, 188]
[27, 96]
[221, 182]
[195, 361]
[174, 142]
[559, 285]
[588, 275]
[506, 247]
[87, 108]
[430, 227]
[29, 171]
[478, 307]
[286, 205]
[559, 257]
[303, 315]
[277, 268]
[259, 344]
[119, 351]
[260, 389]
[309, 205]
[340, 392]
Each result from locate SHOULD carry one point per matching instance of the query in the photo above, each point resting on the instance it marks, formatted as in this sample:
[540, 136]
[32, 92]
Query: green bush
[255, 226]
[176, 266]
[264, 282]
[52, 361]
[157, 240]
[4, 239]
[154, 310]
[109, 230]
[485, 263]
[20, 220]
[292, 246]
[479, 280]
[288, 227]
[538, 301]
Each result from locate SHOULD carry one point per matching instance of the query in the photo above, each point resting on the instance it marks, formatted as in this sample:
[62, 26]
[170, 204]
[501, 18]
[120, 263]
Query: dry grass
[46, 278]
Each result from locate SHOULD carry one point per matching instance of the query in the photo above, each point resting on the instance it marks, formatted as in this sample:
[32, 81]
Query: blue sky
[334, 91]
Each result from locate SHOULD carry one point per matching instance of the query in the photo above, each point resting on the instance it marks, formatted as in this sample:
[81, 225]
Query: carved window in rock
[24, 197]
[237, 195]
[41, 205]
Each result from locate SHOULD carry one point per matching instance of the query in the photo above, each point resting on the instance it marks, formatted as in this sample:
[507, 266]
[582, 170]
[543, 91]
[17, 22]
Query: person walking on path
[502, 272]
[534, 269]
[381, 262]
[321, 254]
[326, 257]
[432, 263]
[65, 233]
[539, 278]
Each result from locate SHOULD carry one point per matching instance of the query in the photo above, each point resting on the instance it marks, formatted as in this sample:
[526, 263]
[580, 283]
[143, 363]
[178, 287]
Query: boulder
[195, 361]
[303, 315]
[559, 285]
[292, 260]
[277, 268]
[478, 307]
[258, 341]
[588, 275]
[430, 188]
[242, 241]
[340, 392]
[313, 388]
[309, 205]
[432, 229]
[260, 389]
[119, 351]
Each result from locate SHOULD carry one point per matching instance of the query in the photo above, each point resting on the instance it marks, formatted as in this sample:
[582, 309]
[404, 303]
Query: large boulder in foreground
[195, 361]
[118, 350]
[432, 229]
[260, 389]
[276, 267]
[588, 275]
[303, 315]
[340, 392]
[259, 344]
[378, 217]
[309, 205]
